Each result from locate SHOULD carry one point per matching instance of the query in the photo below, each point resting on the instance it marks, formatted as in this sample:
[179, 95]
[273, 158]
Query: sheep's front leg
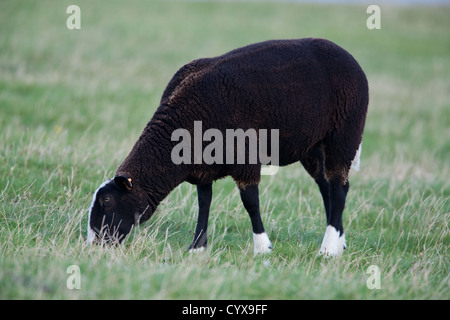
[250, 199]
[204, 193]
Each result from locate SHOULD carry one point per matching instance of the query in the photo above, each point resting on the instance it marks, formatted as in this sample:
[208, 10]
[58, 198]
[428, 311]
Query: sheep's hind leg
[333, 243]
[204, 193]
[333, 200]
[313, 163]
[336, 168]
[250, 199]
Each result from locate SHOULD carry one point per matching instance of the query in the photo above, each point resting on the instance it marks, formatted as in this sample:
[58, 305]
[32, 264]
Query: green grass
[72, 103]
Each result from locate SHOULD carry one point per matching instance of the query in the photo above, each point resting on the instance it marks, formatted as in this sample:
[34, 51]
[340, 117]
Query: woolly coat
[311, 90]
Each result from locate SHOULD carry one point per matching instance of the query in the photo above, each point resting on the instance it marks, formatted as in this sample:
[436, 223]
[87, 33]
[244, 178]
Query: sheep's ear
[123, 182]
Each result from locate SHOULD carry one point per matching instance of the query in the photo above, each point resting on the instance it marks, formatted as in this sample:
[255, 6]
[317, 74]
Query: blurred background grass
[72, 104]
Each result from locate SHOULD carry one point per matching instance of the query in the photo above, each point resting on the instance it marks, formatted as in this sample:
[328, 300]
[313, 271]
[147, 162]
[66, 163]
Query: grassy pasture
[73, 102]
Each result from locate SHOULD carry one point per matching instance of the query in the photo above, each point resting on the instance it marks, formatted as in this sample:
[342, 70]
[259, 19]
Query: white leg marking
[196, 250]
[332, 244]
[261, 243]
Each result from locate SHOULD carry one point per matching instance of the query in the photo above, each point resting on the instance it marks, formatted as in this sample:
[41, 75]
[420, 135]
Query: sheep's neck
[150, 165]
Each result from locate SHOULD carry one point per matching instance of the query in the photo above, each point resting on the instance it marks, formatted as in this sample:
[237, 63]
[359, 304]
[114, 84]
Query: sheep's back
[300, 87]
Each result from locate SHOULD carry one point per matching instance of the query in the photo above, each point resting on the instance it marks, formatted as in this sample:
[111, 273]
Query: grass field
[73, 102]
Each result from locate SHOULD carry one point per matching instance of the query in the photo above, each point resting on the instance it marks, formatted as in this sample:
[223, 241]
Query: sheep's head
[116, 207]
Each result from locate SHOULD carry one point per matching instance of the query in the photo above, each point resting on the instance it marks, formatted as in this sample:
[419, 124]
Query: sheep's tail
[357, 160]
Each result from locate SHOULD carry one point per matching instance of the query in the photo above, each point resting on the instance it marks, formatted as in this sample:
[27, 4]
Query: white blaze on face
[91, 233]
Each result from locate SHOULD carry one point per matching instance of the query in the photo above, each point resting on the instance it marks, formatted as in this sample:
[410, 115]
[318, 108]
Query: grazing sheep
[311, 90]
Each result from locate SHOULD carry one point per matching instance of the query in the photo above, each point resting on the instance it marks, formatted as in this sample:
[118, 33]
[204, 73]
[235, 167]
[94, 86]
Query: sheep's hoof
[261, 243]
[333, 244]
[197, 250]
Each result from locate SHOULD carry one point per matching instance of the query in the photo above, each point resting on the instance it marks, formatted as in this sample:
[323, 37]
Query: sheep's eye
[106, 199]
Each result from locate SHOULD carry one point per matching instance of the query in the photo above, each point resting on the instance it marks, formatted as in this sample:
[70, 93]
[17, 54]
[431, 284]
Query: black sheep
[311, 90]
